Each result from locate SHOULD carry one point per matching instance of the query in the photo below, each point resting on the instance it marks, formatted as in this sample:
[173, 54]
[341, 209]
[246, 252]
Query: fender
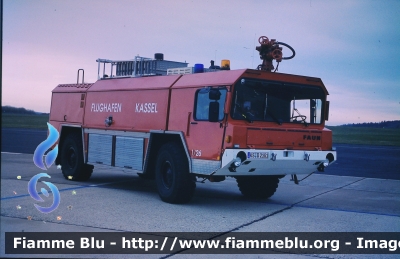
[156, 140]
[66, 129]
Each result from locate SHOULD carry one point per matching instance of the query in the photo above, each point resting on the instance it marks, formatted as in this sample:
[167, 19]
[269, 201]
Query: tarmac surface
[358, 193]
[115, 200]
[21, 140]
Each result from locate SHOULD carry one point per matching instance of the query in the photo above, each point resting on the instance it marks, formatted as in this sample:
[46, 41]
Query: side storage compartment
[100, 149]
[129, 152]
[114, 150]
[68, 103]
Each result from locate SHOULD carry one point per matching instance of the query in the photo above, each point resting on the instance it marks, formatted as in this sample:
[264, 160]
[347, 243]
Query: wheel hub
[167, 175]
[71, 157]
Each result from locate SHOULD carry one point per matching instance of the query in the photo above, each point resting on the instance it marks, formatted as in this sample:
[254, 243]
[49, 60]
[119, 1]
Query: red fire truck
[178, 124]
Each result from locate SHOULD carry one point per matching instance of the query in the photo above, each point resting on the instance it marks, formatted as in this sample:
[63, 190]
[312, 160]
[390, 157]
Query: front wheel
[259, 187]
[72, 163]
[174, 182]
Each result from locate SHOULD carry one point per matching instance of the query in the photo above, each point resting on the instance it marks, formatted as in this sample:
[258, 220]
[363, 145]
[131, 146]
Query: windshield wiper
[245, 114]
[248, 117]
[279, 121]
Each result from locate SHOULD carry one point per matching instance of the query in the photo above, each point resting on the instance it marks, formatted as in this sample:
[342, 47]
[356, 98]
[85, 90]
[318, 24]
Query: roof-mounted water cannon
[270, 50]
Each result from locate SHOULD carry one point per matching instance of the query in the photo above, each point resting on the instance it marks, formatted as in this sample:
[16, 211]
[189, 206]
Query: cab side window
[209, 104]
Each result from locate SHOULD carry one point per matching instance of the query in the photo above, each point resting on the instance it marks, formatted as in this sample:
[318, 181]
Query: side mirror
[213, 112]
[214, 94]
[327, 110]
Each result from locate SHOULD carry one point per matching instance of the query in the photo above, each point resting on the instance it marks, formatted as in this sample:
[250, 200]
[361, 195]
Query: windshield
[261, 100]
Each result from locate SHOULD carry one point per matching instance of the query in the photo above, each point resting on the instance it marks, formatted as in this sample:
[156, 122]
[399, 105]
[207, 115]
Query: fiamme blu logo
[44, 161]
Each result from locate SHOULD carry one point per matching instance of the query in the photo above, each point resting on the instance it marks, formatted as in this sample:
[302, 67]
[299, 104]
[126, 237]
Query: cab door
[198, 113]
[205, 128]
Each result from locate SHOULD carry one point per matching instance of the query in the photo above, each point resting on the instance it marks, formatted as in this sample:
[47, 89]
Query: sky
[353, 45]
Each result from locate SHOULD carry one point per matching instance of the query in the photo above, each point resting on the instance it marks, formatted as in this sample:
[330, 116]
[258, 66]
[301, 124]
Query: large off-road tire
[259, 187]
[174, 182]
[72, 162]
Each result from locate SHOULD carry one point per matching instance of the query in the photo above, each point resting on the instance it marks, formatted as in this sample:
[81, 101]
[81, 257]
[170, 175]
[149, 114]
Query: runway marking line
[63, 190]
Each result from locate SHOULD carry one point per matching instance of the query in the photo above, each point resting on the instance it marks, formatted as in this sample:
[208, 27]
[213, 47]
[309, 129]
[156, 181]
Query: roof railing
[137, 67]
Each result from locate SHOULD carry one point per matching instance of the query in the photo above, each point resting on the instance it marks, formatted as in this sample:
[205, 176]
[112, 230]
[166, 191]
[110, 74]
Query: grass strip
[24, 121]
[365, 136]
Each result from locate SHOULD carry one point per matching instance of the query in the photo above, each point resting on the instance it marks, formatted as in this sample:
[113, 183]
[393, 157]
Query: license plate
[257, 154]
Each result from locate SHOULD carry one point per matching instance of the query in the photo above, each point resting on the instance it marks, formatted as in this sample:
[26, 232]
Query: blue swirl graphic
[44, 192]
[39, 157]
[32, 191]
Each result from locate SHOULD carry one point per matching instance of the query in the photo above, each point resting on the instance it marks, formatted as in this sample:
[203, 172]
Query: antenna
[252, 57]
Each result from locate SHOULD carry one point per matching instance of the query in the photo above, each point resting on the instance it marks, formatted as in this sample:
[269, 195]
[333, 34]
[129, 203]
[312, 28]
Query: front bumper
[240, 162]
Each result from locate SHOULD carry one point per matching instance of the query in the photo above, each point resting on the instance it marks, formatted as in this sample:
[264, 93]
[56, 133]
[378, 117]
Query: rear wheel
[259, 187]
[72, 163]
[174, 182]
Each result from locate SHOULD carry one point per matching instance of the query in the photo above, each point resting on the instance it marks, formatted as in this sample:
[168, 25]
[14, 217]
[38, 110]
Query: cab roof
[229, 77]
[219, 78]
